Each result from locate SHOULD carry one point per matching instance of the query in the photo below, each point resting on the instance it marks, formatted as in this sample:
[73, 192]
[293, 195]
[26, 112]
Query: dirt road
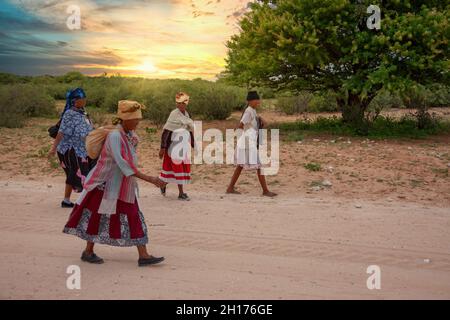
[230, 247]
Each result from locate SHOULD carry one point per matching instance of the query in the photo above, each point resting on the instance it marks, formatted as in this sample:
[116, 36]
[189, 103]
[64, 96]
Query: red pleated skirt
[126, 228]
[175, 172]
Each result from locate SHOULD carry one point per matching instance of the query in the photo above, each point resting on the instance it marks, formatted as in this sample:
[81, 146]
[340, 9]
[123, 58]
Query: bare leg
[180, 189]
[143, 253]
[68, 191]
[234, 179]
[262, 181]
[89, 248]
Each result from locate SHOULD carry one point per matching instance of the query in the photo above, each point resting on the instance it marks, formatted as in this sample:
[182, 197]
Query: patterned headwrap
[72, 96]
[182, 97]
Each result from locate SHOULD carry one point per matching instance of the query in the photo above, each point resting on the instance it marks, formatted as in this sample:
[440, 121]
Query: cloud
[181, 38]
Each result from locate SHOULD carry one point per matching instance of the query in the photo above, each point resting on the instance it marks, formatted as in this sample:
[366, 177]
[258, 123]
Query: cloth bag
[96, 139]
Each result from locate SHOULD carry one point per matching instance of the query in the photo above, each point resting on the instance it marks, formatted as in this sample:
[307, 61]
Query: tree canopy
[326, 45]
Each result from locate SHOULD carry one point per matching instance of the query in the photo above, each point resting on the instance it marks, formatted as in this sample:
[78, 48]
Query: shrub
[208, 100]
[158, 106]
[415, 98]
[294, 105]
[6, 78]
[95, 95]
[324, 102]
[312, 166]
[99, 118]
[113, 95]
[385, 100]
[440, 96]
[307, 102]
[382, 127]
[19, 101]
[71, 76]
[216, 102]
[266, 93]
[57, 90]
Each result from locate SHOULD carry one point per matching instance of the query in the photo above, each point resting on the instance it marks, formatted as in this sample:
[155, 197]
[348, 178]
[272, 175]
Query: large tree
[326, 45]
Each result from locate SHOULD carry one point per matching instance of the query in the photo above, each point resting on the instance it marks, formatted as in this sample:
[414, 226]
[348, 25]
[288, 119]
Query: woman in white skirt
[247, 157]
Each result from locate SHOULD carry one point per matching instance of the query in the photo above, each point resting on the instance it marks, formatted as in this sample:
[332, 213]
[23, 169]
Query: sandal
[93, 258]
[150, 261]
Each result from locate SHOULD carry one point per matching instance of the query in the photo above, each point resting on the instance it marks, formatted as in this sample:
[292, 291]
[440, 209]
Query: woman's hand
[52, 152]
[58, 139]
[156, 181]
[263, 123]
[161, 153]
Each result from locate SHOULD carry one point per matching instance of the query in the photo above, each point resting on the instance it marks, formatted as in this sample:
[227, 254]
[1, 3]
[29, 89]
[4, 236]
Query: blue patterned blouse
[75, 126]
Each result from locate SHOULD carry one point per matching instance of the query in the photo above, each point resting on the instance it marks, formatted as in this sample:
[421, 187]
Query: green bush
[71, 77]
[95, 95]
[415, 98]
[325, 102]
[6, 78]
[216, 102]
[20, 101]
[57, 90]
[440, 96]
[382, 127]
[313, 166]
[266, 93]
[209, 100]
[113, 95]
[294, 105]
[159, 105]
[307, 102]
[436, 95]
[385, 100]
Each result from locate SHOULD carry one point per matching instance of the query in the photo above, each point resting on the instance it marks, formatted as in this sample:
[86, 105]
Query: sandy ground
[389, 205]
[403, 170]
[230, 247]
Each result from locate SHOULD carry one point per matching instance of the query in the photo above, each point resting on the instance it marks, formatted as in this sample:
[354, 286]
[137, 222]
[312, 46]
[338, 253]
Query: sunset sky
[151, 38]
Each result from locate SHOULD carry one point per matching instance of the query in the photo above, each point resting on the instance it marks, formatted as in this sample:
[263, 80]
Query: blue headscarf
[72, 96]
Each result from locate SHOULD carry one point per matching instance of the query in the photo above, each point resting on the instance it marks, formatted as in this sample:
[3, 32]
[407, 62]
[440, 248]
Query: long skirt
[76, 168]
[126, 228]
[175, 171]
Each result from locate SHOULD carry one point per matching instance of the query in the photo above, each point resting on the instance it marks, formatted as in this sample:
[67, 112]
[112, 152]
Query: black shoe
[150, 261]
[184, 197]
[163, 191]
[65, 204]
[93, 258]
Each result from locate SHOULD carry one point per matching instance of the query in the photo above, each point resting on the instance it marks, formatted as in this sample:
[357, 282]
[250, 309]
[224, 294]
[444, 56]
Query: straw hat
[130, 110]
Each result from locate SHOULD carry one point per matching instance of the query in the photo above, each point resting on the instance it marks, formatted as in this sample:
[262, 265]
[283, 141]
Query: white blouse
[249, 119]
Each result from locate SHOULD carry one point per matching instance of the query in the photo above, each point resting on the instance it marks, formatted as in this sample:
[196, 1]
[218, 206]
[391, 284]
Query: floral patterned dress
[75, 127]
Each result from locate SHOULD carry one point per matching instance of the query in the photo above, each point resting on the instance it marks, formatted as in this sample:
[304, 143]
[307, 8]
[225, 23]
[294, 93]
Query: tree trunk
[352, 109]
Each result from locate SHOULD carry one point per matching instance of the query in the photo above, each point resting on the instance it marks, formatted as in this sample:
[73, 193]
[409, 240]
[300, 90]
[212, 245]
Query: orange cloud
[152, 38]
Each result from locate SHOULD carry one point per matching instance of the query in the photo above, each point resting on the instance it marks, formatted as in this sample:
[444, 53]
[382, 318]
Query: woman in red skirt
[176, 160]
[107, 211]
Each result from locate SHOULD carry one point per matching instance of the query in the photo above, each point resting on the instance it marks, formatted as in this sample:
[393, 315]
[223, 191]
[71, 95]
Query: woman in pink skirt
[107, 211]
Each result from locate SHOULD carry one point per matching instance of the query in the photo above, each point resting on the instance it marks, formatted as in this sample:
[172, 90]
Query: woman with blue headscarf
[70, 143]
